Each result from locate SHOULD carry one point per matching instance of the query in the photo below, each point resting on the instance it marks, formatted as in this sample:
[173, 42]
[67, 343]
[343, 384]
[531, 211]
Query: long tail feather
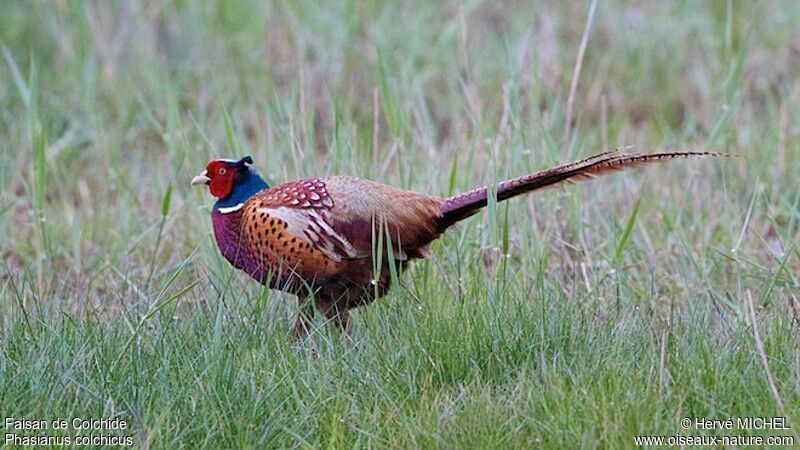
[464, 205]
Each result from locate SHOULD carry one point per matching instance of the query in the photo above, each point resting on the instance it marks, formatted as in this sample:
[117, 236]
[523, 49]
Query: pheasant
[317, 237]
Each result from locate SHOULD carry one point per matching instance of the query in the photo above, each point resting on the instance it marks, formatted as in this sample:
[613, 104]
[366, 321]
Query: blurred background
[107, 106]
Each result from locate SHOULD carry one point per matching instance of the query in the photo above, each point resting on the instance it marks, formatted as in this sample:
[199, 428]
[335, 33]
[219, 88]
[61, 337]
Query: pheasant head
[232, 182]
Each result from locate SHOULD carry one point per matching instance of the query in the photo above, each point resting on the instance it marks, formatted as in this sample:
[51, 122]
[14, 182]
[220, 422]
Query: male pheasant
[317, 237]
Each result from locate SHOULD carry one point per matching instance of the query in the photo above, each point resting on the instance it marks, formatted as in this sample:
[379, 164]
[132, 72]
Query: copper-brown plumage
[316, 237]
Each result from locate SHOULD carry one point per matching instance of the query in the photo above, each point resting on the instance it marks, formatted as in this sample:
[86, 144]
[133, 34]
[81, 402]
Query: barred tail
[461, 206]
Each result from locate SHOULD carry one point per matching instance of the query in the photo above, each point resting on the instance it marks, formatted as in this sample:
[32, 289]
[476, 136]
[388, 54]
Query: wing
[288, 227]
[315, 226]
[363, 206]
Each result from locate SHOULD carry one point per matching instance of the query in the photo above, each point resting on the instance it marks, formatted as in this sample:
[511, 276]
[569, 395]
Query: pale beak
[202, 178]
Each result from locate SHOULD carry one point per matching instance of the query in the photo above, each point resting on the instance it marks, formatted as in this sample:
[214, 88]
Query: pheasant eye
[222, 171]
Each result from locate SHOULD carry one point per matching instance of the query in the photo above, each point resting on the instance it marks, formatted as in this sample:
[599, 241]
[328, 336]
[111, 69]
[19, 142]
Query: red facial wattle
[221, 179]
[221, 185]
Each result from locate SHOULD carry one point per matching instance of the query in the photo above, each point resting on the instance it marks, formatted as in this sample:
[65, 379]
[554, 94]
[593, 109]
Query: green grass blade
[626, 233]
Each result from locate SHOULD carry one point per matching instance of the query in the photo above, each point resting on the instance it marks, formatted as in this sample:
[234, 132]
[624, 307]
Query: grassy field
[578, 317]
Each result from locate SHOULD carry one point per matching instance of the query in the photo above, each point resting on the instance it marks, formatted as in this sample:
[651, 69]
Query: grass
[578, 317]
